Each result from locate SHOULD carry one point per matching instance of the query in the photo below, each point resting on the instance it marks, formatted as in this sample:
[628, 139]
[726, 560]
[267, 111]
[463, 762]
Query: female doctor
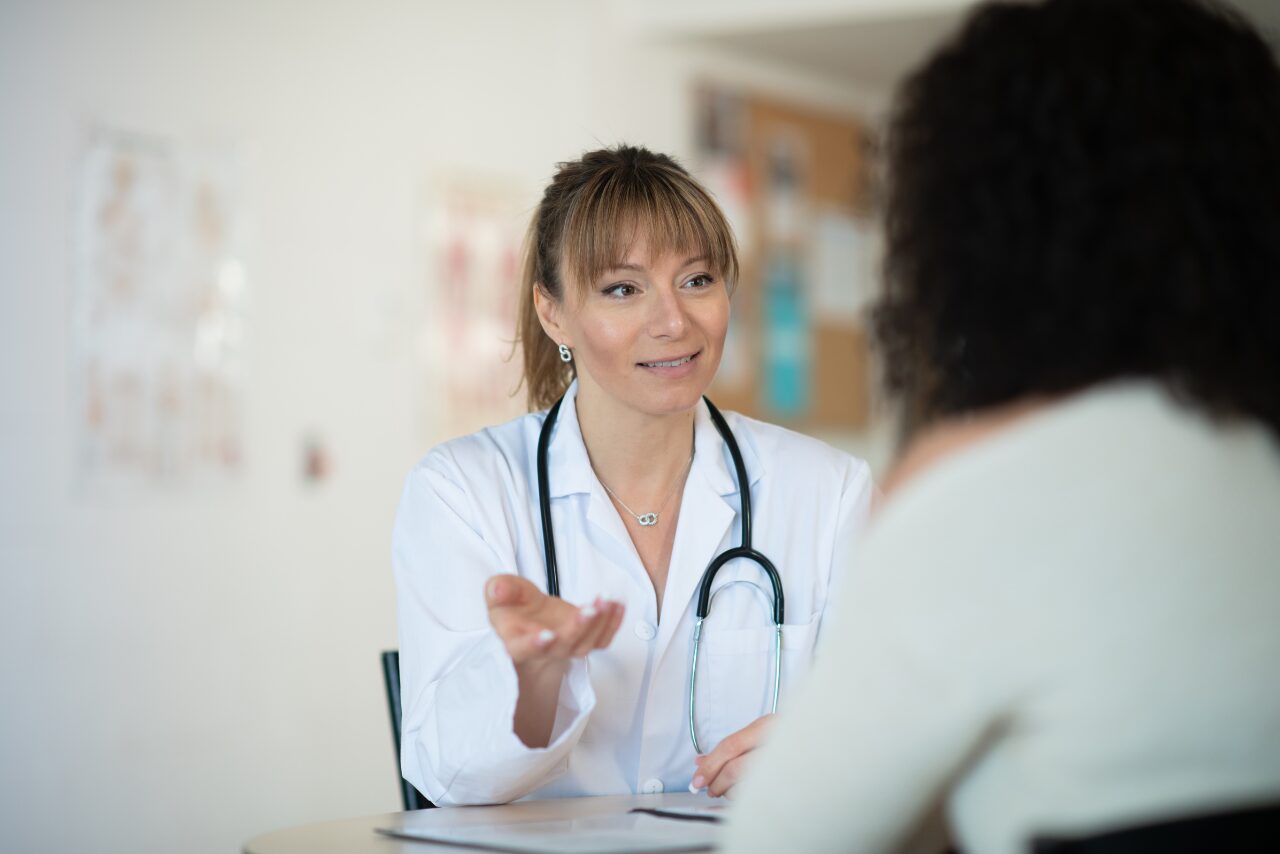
[510, 692]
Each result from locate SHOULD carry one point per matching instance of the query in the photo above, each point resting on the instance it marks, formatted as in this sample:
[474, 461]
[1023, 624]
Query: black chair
[413, 799]
[1237, 832]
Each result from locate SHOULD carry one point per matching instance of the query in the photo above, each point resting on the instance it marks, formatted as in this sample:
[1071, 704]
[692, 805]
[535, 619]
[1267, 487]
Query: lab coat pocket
[735, 674]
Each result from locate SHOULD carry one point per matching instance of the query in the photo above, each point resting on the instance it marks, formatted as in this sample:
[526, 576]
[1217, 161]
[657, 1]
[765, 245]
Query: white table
[360, 836]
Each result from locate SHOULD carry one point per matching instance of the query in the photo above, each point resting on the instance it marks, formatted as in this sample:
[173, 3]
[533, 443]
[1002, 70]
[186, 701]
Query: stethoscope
[743, 550]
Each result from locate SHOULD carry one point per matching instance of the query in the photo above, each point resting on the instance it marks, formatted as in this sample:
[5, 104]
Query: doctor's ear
[549, 308]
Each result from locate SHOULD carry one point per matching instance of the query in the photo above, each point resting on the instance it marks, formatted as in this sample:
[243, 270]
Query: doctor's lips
[672, 365]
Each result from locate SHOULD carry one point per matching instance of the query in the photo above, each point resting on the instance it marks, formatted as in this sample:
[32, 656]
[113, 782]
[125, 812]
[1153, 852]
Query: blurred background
[256, 258]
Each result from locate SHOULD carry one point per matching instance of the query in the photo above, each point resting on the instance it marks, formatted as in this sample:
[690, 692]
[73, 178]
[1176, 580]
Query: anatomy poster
[158, 315]
[473, 232]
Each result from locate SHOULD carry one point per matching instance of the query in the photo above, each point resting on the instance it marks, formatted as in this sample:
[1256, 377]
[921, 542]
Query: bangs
[660, 207]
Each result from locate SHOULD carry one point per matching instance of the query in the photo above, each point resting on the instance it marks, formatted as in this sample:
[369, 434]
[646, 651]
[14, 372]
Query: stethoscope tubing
[544, 502]
[743, 551]
[693, 677]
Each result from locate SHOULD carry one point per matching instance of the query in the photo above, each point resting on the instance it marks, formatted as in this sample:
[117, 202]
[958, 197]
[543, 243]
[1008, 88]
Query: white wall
[184, 671]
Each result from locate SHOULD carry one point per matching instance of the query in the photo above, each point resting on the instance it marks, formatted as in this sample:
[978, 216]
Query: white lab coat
[470, 511]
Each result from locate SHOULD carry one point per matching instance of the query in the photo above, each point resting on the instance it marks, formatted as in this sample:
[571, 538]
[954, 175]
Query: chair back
[1246, 831]
[413, 799]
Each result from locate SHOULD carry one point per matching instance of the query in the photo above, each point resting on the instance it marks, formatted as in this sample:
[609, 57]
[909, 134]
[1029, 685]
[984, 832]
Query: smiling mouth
[673, 363]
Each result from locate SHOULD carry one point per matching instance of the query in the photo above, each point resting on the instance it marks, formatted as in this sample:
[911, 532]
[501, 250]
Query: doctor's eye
[700, 281]
[620, 290]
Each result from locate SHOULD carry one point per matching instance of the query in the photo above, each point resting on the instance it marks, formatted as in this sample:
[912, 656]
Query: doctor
[510, 692]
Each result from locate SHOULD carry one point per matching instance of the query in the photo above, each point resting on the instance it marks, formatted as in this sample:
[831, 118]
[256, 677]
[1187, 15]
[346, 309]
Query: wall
[185, 670]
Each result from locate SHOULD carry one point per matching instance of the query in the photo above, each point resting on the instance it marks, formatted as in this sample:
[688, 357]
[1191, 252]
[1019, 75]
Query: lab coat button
[645, 632]
[652, 786]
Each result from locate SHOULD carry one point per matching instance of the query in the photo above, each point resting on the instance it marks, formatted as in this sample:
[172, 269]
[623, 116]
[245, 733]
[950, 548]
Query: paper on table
[626, 833]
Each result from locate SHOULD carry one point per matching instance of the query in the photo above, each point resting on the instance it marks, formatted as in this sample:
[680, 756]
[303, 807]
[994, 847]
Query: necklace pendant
[648, 520]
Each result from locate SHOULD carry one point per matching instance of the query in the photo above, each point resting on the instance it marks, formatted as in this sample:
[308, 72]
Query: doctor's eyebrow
[640, 268]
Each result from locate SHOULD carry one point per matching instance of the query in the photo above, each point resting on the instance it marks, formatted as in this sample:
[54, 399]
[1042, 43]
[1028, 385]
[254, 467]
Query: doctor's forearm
[539, 698]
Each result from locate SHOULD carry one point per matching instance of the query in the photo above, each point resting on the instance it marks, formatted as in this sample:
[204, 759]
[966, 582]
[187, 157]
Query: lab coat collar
[567, 453]
[711, 458]
[568, 466]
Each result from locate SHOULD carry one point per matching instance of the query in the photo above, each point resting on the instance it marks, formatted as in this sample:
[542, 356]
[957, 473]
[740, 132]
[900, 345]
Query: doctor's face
[649, 333]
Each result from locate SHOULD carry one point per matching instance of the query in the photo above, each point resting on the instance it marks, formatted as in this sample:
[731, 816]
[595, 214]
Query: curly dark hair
[1082, 190]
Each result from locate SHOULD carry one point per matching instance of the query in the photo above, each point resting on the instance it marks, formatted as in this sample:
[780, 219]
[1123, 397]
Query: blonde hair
[589, 217]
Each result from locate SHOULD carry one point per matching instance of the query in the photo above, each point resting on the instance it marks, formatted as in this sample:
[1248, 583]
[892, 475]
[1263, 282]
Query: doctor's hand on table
[721, 769]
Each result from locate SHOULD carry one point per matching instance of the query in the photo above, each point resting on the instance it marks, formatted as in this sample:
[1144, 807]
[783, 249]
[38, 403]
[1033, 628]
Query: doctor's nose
[667, 318]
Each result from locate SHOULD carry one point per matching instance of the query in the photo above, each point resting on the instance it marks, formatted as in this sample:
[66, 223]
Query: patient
[1066, 617]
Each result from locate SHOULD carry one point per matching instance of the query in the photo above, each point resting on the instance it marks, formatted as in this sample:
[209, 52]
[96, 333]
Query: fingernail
[545, 637]
[494, 587]
[694, 789]
[699, 782]
[586, 613]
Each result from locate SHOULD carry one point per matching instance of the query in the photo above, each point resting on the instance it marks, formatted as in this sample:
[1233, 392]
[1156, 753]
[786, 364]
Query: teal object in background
[787, 340]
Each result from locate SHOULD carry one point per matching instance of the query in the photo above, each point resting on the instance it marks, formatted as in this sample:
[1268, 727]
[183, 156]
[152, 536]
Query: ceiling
[873, 51]
[871, 54]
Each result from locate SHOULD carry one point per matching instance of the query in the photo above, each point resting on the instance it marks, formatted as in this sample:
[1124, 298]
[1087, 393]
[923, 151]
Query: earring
[566, 355]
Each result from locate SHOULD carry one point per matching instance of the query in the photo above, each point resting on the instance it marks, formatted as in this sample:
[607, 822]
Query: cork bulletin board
[795, 184]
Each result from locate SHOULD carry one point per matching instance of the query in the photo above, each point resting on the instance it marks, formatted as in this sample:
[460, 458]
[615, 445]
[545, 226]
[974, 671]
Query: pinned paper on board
[158, 314]
[845, 253]
[787, 318]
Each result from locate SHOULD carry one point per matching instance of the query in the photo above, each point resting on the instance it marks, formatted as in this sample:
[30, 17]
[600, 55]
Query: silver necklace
[648, 520]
